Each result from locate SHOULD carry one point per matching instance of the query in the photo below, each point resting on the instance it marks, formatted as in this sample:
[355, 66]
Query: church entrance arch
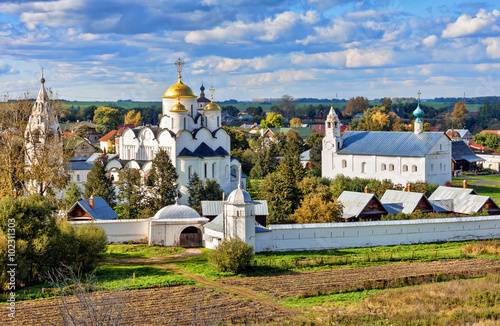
[191, 237]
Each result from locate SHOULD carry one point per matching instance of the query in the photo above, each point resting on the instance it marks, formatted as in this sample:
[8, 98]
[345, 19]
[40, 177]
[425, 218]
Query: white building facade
[403, 157]
[190, 130]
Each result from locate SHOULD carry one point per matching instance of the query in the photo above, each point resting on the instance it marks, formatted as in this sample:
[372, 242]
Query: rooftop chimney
[367, 190]
[91, 202]
[465, 184]
[409, 187]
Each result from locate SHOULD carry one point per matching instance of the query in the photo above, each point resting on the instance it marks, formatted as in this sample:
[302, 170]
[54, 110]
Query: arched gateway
[191, 237]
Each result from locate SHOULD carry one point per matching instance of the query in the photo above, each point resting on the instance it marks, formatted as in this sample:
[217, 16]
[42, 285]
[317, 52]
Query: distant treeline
[468, 100]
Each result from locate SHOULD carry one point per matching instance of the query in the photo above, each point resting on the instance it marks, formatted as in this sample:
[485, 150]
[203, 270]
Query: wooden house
[91, 209]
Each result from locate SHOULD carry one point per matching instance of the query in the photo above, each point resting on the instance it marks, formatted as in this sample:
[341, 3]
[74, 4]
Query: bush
[231, 255]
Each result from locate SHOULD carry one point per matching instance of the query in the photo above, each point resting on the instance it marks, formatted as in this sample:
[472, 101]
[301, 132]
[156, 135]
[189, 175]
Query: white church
[190, 130]
[402, 157]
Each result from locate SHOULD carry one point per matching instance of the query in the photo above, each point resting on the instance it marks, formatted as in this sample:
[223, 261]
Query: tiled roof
[80, 165]
[109, 135]
[460, 151]
[388, 143]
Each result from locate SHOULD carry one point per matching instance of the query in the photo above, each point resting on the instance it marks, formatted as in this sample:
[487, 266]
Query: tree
[315, 187]
[238, 139]
[315, 141]
[294, 144]
[73, 194]
[196, 191]
[162, 181]
[133, 118]
[107, 119]
[295, 123]
[231, 110]
[272, 120]
[265, 161]
[287, 105]
[387, 103]
[487, 139]
[231, 255]
[357, 105]
[291, 168]
[379, 119]
[212, 190]
[282, 196]
[318, 210]
[130, 192]
[99, 184]
[459, 114]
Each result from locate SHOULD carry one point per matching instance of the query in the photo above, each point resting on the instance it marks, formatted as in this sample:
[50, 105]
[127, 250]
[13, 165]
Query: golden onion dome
[178, 108]
[212, 107]
[179, 90]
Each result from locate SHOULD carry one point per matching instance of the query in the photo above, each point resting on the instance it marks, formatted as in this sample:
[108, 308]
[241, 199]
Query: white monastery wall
[383, 233]
[438, 165]
[119, 231]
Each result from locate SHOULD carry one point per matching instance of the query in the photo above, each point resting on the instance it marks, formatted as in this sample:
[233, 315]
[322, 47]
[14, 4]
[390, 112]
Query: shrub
[231, 255]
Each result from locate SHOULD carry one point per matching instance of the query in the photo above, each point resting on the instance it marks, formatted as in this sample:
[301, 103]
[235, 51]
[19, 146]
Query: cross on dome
[42, 79]
[212, 90]
[179, 65]
[419, 95]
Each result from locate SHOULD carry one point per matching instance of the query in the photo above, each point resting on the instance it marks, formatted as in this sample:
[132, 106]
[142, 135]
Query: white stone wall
[119, 231]
[382, 233]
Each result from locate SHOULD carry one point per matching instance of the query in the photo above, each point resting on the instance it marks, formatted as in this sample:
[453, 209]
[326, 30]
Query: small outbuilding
[407, 202]
[91, 209]
[463, 158]
[176, 226]
[462, 200]
[360, 206]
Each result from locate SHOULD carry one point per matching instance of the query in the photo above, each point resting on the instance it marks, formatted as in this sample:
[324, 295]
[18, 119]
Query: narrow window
[391, 167]
[432, 167]
[363, 167]
[213, 170]
[414, 168]
[405, 168]
[184, 123]
[189, 172]
[329, 124]
[78, 177]
[344, 164]
[383, 168]
[227, 171]
[440, 166]
[218, 122]
[172, 124]
[205, 170]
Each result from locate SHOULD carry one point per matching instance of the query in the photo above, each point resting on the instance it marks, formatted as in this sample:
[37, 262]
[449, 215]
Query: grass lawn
[274, 263]
[490, 178]
[139, 251]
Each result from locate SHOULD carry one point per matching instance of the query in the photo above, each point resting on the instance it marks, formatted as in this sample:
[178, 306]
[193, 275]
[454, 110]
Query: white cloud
[430, 41]
[89, 36]
[487, 67]
[467, 25]
[356, 58]
[229, 64]
[440, 80]
[332, 59]
[269, 29]
[492, 47]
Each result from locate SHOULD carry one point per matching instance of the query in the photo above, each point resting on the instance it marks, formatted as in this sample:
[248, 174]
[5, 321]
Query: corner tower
[333, 138]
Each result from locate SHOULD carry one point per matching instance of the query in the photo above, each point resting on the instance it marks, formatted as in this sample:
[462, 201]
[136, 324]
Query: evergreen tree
[196, 192]
[162, 181]
[282, 196]
[291, 168]
[212, 190]
[99, 185]
[130, 186]
[73, 194]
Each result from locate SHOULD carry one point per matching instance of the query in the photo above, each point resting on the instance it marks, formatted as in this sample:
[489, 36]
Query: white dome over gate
[176, 211]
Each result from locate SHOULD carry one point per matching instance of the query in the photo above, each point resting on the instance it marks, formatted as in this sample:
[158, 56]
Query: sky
[126, 49]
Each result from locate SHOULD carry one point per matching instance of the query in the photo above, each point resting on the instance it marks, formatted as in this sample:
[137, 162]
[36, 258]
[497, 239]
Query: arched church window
[405, 168]
[391, 167]
[184, 123]
[363, 167]
[344, 164]
[205, 170]
[227, 171]
[414, 168]
[213, 170]
[189, 171]
[218, 122]
[383, 167]
[329, 124]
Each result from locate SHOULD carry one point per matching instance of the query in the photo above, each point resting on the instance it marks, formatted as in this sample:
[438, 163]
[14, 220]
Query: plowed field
[337, 280]
[161, 306]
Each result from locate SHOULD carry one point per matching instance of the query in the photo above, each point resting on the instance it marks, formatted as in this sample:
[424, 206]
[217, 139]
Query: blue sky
[126, 49]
